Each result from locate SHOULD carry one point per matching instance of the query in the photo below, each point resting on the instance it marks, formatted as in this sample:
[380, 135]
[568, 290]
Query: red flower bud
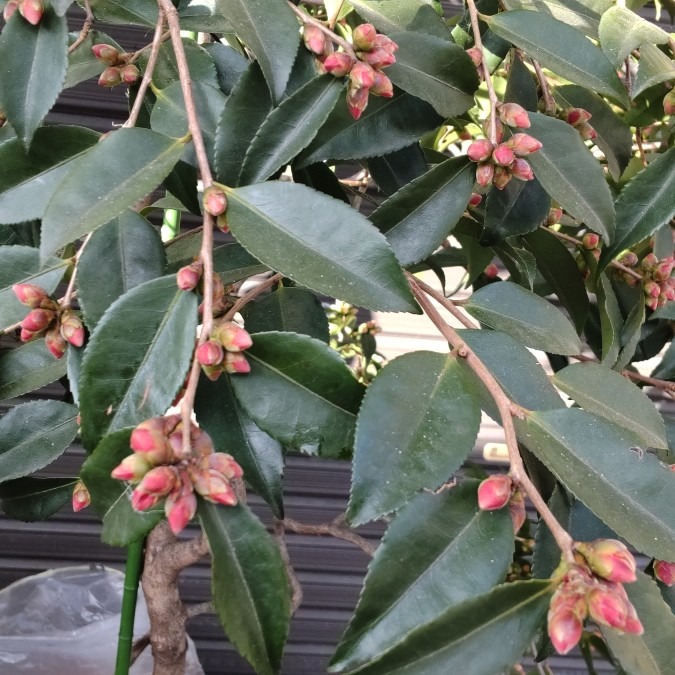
[476, 55]
[214, 372]
[629, 259]
[159, 481]
[652, 303]
[650, 260]
[576, 116]
[554, 216]
[364, 37]
[564, 629]
[494, 492]
[30, 294]
[669, 103]
[378, 57]
[523, 144]
[225, 464]
[485, 173]
[664, 269]
[142, 501]
[106, 53]
[650, 288]
[314, 39]
[338, 64]
[590, 241]
[514, 115]
[55, 342]
[72, 328]
[221, 223]
[130, 74]
[210, 353]
[235, 362]
[362, 75]
[385, 43]
[214, 487]
[475, 199]
[81, 496]
[383, 86]
[38, 320]
[586, 131]
[110, 77]
[502, 177]
[503, 155]
[132, 468]
[181, 506]
[215, 201]
[609, 559]
[498, 125]
[32, 10]
[188, 277]
[10, 8]
[491, 271]
[479, 150]
[233, 337]
[202, 444]
[150, 439]
[521, 169]
[607, 607]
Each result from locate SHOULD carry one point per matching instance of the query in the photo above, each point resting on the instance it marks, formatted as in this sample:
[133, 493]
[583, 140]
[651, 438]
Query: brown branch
[445, 302]
[184, 553]
[70, 290]
[200, 608]
[293, 581]
[311, 21]
[253, 293]
[632, 375]
[337, 529]
[507, 409]
[132, 58]
[549, 101]
[640, 146]
[86, 28]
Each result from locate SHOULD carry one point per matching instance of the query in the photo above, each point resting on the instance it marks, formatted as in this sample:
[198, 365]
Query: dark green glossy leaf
[309, 238]
[571, 175]
[421, 568]
[127, 376]
[520, 263]
[422, 214]
[32, 499]
[232, 431]
[105, 181]
[289, 310]
[611, 320]
[527, 317]
[27, 368]
[245, 111]
[182, 184]
[19, 265]
[592, 457]
[230, 64]
[413, 437]
[124, 252]
[82, 64]
[654, 67]
[33, 435]
[202, 16]
[270, 30]
[390, 16]
[297, 404]
[386, 125]
[631, 333]
[320, 177]
[396, 169]
[489, 632]
[561, 272]
[201, 66]
[142, 12]
[290, 128]
[584, 15]
[111, 498]
[561, 48]
[436, 71]
[250, 586]
[520, 86]
[644, 205]
[34, 61]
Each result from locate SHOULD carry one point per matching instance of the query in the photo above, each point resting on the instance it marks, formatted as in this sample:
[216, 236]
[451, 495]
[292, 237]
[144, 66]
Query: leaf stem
[68, 297]
[86, 28]
[253, 293]
[507, 410]
[311, 21]
[549, 101]
[447, 303]
[337, 528]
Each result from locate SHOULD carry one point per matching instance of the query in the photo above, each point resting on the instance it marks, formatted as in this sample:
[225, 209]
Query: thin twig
[447, 303]
[253, 293]
[640, 146]
[293, 581]
[549, 101]
[86, 28]
[336, 529]
[68, 297]
[507, 409]
[200, 608]
[632, 375]
[311, 21]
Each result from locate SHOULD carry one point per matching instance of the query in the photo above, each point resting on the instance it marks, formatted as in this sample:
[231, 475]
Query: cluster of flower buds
[222, 352]
[160, 469]
[189, 278]
[499, 491]
[31, 10]
[497, 164]
[81, 497]
[669, 103]
[657, 283]
[578, 118]
[374, 52]
[119, 70]
[592, 586]
[59, 325]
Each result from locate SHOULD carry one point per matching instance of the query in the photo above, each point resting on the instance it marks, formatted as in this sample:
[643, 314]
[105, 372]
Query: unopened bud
[110, 77]
[476, 55]
[649, 261]
[607, 607]
[55, 342]
[651, 289]
[664, 572]
[32, 10]
[629, 259]
[233, 337]
[202, 445]
[180, 508]
[236, 362]
[669, 103]
[38, 320]
[364, 37]
[564, 629]
[72, 328]
[159, 481]
[10, 8]
[188, 277]
[590, 241]
[479, 150]
[475, 199]
[215, 201]
[576, 116]
[499, 127]
[338, 64]
[225, 464]
[106, 53]
[554, 216]
[142, 501]
[149, 439]
[386, 43]
[362, 75]
[485, 173]
[213, 372]
[214, 487]
[652, 303]
[210, 353]
[130, 74]
[378, 57]
[514, 115]
[30, 295]
[586, 131]
[663, 269]
[131, 468]
[494, 492]
[222, 224]
[502, 177]
[503, 155]
[81, 496]
[314, 39]
[523, 144]
[609, 559]
[383, 86]
[491, 271]
[521, 169]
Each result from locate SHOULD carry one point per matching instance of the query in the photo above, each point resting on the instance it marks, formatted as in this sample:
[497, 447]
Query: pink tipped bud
[214, 487]
[130, 74]
[652, 303]
[364, 37]
[590, 241]
[72, 328]
[210, 353]
[202, 445]
[30, 294]
[159, 481]
[669, 103]
[663, 269]
[491, 271]
[132, 468]
[651, 289]
[362, 75]
[180, 510]
[554, 216]
[55, 343]
[503, 155]
[106, 53]
[485, 173]
[225, 464]
[338, 64]
[664, 572]
[629, 259]
[576, 116]
[609, 559]
[233, 337]
[475, 199]
[607, 607]
[564, 629]
[521, 169]
[215, 201]
[502, 177]
[142, 501]
[476, 55]
[32, 10]
[649, 261]
[514, 115]
[81, 496]
[385, 43]
[378, 58]
[188, 277]
[383, 86]
[38, 319]
[235, 362]
[523, 144]
[479, 150]
[213, 372]
[27, 335]
[314, 39]
[10, 8]
[150, 440]
[494, 492]
[110, 77]
[586, 131]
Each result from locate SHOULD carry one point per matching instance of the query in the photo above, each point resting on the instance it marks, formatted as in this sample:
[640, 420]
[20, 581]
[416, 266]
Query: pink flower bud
[38, 319]
[150, 440]
[576, 116]
[503, 155]
[650, 288]
[385, 43]
[225, 464]
[502, 177]
[233, 337]
[629, 259]
[494, 492]
[664, 572]
[10, 8]
[81, 496]
[72, 328]
[188, 277]
[202, 445]
[663, 269]
[607, 607]
[214, 372]
[485, 173]
[586, 131]
[362, 75]
[364, 37]
[523, 144]
[235, 362]
[590, 241]
[314, 39]
[106, 53]
[55, 343]
[652, 303]
[142, 501]
[338, 64]
[475, 199]
[180, 508]
[130, 74]
[383, 86]
[132, 468]
[215, 201]
[479, 150]
[476, 55]
[491, 271]
[514, 115]
[669, 103]
[564, 629]
[649, 261]
[214, 487]
[159, 481]
[110, 77]
[521, 169]
[554, 216]
[27, 335]
[609, 559]
[378, 57]
[210, 353]
[32, 10]
[30, 294]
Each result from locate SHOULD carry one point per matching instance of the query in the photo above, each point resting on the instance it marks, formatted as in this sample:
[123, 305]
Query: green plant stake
[132, 575]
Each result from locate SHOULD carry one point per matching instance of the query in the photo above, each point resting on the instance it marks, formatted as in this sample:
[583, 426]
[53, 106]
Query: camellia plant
[527, 145]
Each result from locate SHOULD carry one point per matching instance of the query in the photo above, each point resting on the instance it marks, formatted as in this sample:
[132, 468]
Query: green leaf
[386, 125]
[32, 499]
[629, 490]
[232, 431]
[33, 435]
[270, 30]
[644, 205]
[654, 67]
[34, 61]
[200, 64]
[230, 64]
[82, 64]
[571, 175]
[561, 48]
[436, 71]
[182, 184]
[521, 207]
[396, 169]
[536, 322]
[297, 404]
[621, 31]
[105, 181]
[250, 586]
[309, 237]
[289, 310]
[289, 128]
[631, 333]
[584, 15]
[244, 113]
[390, 16]
[125, 252]
[111, 498]
[142, 12]
[653, 652]
[420, 215]
[27, 368]
[608, 394]
[321, 178]
[489, 631]
[611, 320]
[561, 272]
[202, 16]
[520, 85]
[421, 568]
[127, 375]
[21, 265]
[413, 437]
